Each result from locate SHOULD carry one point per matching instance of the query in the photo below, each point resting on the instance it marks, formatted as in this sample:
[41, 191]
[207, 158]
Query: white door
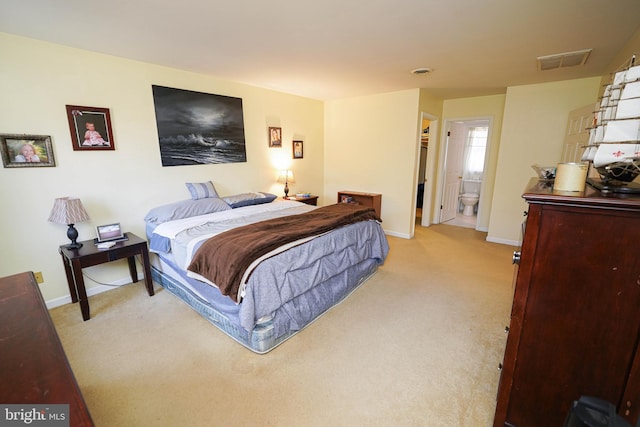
[577, 135]
[453, 171]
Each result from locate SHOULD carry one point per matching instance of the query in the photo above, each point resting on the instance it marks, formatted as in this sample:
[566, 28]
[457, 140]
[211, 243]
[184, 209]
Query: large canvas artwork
[198, 128]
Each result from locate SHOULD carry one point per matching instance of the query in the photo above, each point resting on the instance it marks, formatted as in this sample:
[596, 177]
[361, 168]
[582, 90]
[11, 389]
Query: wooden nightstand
[373, 200]
[75, 260]
[309, 200]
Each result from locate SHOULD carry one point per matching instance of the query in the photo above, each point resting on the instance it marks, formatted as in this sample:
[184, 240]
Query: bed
[298, 262]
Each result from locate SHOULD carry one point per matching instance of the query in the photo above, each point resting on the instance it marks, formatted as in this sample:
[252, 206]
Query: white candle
[570, 177]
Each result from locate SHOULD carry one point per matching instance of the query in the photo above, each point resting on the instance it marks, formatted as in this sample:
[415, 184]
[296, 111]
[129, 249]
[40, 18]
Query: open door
[453, 171]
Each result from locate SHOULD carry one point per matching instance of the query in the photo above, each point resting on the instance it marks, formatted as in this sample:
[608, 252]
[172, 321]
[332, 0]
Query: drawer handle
[499, 366]
[506, 329]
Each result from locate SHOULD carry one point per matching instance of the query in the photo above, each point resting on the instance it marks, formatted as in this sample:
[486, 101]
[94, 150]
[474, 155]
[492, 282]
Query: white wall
[38, 79]
[371, 146]
[534, 124]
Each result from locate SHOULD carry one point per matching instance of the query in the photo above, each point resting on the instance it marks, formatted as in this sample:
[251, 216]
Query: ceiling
[333, 49]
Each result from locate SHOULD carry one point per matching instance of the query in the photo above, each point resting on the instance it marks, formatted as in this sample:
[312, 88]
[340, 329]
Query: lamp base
[286, 190]
[72, 234]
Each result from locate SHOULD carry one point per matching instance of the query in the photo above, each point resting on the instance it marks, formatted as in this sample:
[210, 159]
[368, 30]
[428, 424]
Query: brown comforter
[223, 259]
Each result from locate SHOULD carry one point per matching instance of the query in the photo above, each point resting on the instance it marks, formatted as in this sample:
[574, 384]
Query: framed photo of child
[25, 151]
[90, 128]
[275, 137]
[298, 149]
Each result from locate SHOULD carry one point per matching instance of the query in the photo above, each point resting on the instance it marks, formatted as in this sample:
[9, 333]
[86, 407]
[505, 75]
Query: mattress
[285, 292]
[220, 311]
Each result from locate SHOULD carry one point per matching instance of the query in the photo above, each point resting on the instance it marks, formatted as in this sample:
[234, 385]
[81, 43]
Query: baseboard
[57, 302]
[396, 234]
[503, 241]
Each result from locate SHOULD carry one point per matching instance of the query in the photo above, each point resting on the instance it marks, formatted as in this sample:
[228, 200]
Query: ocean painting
[197, 128]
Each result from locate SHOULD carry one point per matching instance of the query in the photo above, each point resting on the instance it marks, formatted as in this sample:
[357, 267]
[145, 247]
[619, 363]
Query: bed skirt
[262, 338]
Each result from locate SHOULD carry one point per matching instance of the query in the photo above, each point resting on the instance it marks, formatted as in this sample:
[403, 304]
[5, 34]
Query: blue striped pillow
[201, 190]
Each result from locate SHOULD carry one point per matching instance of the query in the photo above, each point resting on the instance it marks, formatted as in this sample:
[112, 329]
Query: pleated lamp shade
[69, 211]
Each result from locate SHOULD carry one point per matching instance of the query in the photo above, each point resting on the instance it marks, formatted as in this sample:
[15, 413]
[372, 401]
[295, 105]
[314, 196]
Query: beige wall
[38, 79]
[534, 123]
[371, 144]
[469, 109]
[366, 143]
[622, 58]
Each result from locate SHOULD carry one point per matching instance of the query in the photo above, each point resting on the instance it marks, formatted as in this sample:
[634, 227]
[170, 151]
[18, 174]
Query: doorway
[426, 169]
[463, 165]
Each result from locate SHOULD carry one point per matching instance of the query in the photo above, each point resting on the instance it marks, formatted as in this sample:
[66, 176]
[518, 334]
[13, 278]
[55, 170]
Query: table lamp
[286, 176]
[69, 211]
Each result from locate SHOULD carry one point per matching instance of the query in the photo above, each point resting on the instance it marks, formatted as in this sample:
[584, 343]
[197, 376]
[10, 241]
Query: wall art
[25, 151]
[275, 137]
[197, 128]
[90, 128]
[298, 149]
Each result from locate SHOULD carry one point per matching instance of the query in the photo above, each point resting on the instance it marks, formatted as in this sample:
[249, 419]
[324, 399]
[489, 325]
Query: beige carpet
[417, 345]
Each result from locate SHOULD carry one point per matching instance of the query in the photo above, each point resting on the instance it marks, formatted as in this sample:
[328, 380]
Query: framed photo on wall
[298, 149]
[90, 128]
[26, 151]
[275, 137]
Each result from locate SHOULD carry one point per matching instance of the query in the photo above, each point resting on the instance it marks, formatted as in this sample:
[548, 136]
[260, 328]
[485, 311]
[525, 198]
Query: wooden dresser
[33, 366]
[575, 319]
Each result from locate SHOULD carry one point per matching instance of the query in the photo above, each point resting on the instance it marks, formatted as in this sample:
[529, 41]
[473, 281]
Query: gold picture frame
[26, 151]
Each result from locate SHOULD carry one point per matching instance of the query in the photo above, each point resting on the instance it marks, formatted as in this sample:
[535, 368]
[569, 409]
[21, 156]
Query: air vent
[563, 60]
[421, 71]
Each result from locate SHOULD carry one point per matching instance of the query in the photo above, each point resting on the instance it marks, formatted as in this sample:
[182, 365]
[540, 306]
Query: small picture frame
[298, 152]
[26, 151]
[275, 137]
[90, 128]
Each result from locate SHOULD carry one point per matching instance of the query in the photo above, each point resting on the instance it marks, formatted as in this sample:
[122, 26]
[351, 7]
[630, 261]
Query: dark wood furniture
[310, 200]
[34, 368]
[89, 254]
[373, 200]
[575, 323]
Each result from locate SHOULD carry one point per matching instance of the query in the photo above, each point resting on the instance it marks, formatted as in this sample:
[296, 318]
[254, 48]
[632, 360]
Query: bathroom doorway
[463, 164]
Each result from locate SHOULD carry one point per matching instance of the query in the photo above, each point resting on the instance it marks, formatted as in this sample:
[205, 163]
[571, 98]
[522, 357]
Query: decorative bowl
[545, 172]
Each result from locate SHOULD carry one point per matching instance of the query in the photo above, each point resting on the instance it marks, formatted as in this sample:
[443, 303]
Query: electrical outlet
[39, 277]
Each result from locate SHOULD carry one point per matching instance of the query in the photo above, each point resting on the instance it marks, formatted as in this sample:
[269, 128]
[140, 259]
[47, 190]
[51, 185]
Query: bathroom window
[474, 152]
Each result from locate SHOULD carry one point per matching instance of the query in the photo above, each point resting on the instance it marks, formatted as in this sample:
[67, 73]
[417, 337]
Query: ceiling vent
[421, 71]
[563, 60]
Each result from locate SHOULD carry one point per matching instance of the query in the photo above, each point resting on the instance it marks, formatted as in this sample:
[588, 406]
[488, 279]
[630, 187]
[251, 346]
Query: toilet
[470, 196]
[469, 201]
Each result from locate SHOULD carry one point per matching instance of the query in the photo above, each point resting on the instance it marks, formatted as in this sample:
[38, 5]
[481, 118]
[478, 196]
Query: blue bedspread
[296, 285]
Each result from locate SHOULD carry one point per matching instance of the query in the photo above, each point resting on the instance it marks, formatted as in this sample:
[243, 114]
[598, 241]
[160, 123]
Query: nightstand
[75, 260]
[309, 200]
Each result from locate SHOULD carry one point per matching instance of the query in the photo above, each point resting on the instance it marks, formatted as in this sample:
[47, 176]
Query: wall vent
[563, 60]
